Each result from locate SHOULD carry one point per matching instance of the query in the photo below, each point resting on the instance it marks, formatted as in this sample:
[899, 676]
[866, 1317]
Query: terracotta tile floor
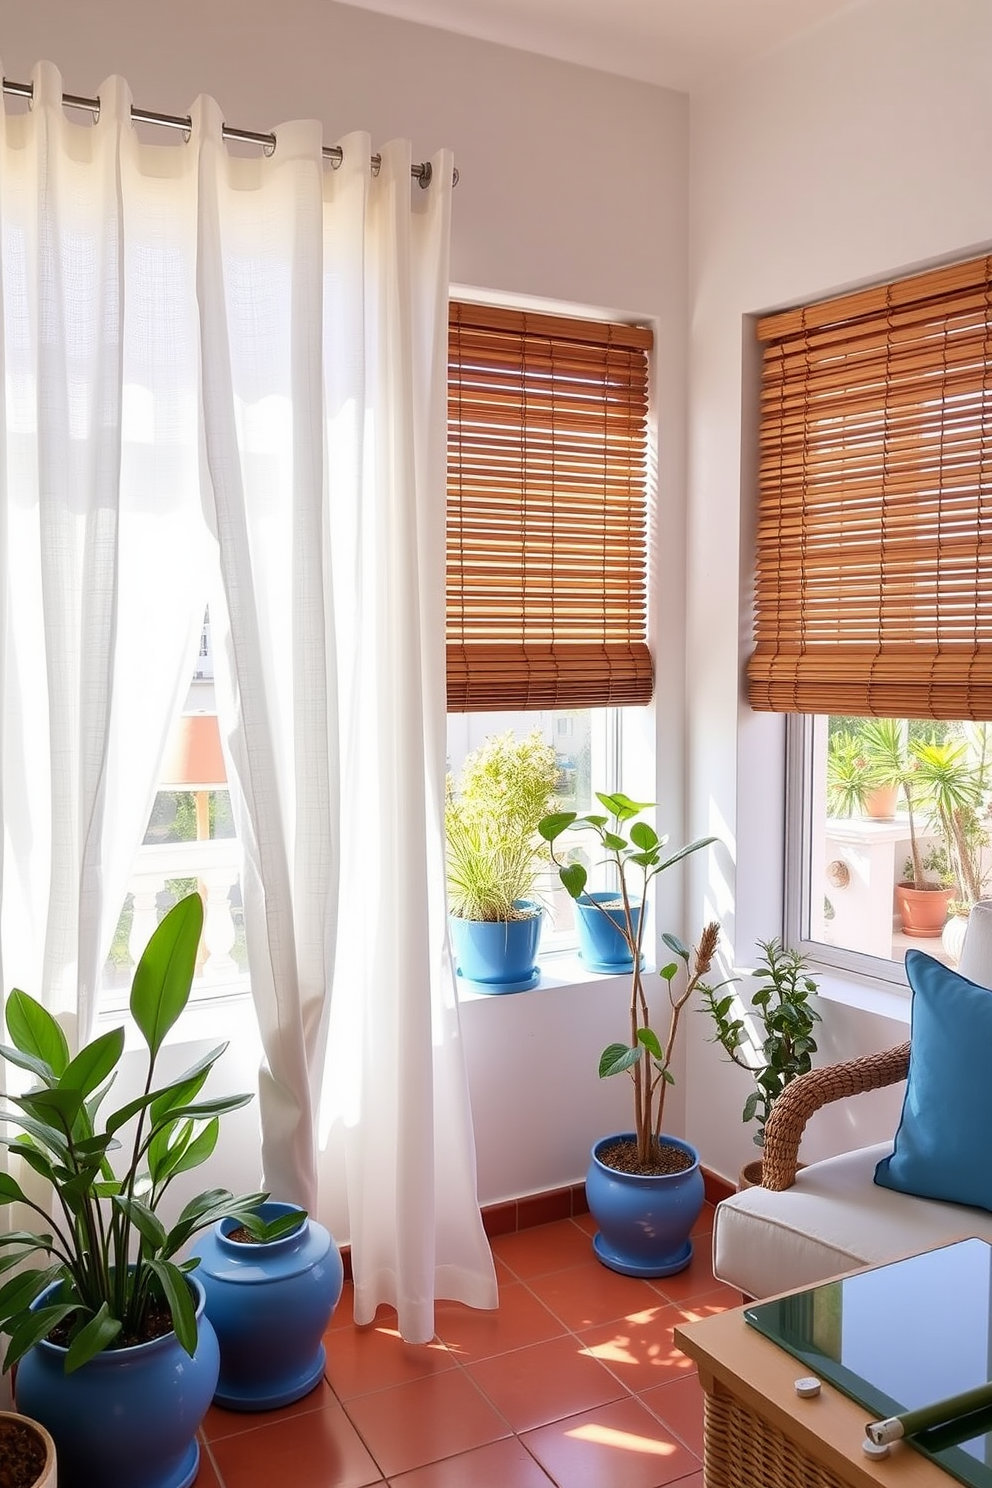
[573, 1381]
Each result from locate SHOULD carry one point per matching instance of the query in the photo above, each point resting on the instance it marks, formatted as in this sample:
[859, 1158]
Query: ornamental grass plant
[494, 854]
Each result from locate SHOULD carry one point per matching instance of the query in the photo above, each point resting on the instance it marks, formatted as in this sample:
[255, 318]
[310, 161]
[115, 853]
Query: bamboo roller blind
[874, 560]
[547, 511]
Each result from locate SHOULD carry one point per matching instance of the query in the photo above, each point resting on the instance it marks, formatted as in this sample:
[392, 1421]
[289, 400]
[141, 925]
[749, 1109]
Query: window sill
[558, 969]
[208, 1017]
[864, 994]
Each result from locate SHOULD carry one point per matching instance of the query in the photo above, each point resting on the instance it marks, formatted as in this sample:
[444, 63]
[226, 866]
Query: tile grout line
[570, 1332]
[567, 1332]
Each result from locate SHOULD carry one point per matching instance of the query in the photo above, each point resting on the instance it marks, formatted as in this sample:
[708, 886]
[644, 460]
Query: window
[547, 544]
[899, 815]
[873, 593]
[190, 841]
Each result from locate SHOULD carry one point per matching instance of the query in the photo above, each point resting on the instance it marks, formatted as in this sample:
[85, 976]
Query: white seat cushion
[833, 1219]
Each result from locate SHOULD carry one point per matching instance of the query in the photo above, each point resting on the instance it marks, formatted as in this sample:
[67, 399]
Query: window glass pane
[896, 828]
[585, 743]
[189, 844]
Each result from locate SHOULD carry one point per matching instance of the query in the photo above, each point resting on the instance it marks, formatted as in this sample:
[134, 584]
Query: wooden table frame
[759, 1433]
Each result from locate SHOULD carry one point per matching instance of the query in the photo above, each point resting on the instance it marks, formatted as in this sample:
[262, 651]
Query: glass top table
[901, 1336]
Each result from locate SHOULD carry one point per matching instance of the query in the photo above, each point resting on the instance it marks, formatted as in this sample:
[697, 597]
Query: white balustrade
[215, 864]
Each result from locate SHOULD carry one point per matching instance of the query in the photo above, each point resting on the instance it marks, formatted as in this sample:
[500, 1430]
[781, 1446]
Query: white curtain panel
[260, 277]
[98, 461]
[396, 1108]
[323, 299]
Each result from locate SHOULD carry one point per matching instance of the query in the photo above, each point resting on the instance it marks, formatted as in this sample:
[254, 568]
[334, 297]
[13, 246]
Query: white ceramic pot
[952, 937]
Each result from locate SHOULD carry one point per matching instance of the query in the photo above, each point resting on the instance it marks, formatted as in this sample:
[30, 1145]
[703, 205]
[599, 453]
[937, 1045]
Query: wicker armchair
[785, 1233]
[803, 1096]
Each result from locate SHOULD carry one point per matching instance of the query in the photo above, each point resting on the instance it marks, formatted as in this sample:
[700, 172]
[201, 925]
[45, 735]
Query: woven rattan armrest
[803, 1096]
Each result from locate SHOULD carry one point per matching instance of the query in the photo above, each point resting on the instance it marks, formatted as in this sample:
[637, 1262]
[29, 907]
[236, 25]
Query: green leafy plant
[950, 786]
[113, 1256]
[493, 852]
[637, 855]
[870, 757]
[785, 1047]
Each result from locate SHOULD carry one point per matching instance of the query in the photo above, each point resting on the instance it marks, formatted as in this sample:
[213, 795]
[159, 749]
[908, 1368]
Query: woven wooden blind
[547, 530]
[874, 563]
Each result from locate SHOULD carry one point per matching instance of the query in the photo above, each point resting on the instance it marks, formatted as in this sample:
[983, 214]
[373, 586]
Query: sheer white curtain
[323, 298]
[99, 468]
[237, 366]
[396, 1108]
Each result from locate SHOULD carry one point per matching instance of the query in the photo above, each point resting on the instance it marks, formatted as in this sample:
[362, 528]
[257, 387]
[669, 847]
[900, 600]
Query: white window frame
[805, 786]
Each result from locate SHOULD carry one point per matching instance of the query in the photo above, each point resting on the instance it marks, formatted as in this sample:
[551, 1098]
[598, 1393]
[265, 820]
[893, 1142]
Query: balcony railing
[161, 874]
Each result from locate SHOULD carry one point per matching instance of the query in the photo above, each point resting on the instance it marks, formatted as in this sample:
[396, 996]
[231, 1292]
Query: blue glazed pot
[269, 1305]
[128, 1418]
[602, 946]
[644, 1222]
[499, 955]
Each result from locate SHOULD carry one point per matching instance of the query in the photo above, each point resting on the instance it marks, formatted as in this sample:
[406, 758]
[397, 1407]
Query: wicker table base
[760, 1434]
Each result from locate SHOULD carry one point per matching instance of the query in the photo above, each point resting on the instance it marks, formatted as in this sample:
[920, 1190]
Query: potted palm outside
[948, 787]
[866, 768]
[493, 858]
[644, 1187]
[114, 1355]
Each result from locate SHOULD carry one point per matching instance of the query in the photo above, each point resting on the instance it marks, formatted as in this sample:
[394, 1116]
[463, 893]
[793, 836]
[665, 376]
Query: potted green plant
[270, 1301]
[866, 768]
[493, 857]
[946, 786]
[644, 1187]
[115, 1357]
[784, 1046]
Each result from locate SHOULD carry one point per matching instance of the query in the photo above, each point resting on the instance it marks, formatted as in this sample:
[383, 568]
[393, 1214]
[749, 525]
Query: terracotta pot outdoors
[12, 1450]
[923, 912]
[880, 803]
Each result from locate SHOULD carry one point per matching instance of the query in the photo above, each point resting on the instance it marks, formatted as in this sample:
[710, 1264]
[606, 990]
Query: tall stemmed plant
[951, 787]
[107, 1246]
[637, 854]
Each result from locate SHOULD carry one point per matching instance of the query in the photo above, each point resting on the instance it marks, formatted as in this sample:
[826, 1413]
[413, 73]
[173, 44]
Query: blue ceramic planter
[602, 946]
[128, 1418]
[269, 1305]
[498, 955]
[644, 1223]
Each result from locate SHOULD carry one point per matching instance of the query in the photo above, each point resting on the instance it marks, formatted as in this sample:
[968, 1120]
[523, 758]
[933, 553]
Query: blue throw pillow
[942, 1145]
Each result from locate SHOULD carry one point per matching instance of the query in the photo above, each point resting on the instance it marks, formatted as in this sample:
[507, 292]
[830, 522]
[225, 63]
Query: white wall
[856, 154]
[573, 187]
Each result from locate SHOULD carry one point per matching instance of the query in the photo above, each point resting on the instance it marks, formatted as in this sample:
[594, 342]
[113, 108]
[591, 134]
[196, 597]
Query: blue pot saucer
[610, 968]
[527, 984]
[645, 1269]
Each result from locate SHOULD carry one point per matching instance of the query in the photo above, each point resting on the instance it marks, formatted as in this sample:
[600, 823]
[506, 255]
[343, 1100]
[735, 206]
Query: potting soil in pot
[22, 1455]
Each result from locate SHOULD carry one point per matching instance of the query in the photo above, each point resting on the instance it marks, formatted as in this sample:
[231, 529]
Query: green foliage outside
[493, 852]
[944, 772]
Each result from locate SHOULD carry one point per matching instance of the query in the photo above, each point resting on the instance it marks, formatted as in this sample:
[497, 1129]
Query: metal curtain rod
[333, 153]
